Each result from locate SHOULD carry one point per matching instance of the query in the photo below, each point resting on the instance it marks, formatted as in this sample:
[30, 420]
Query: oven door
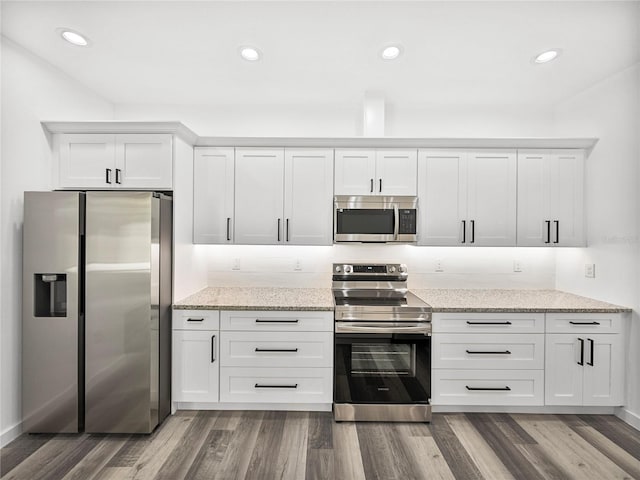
[382, 368]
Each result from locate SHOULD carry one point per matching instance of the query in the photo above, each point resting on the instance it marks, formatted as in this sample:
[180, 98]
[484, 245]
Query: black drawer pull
[583, 323]
[288, 350]
[488, 323]
[488, 389]
[259, 320]
[195, 319]
[504, 352]
[295, 385]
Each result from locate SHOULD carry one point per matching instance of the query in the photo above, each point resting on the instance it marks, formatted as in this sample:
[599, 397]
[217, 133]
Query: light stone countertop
[466, 300]
[258, 298]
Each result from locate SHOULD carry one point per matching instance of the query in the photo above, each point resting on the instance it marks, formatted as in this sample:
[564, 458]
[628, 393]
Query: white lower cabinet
[196, 358]
[276, 357]
[584, 367]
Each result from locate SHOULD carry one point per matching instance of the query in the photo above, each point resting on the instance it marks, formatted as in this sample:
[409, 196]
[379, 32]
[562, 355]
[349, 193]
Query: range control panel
[361, 269]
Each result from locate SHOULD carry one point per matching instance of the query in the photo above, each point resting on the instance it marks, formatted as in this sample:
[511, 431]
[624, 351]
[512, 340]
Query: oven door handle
[348, 327]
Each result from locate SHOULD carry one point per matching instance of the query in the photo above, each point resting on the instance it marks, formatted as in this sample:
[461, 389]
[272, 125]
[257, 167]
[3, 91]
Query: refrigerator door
[121, 320]
[51, 327]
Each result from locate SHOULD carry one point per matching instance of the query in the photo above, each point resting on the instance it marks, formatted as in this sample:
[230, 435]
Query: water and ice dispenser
[50, 295]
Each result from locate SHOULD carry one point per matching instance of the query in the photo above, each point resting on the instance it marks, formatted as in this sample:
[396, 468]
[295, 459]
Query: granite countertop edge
[293, 308]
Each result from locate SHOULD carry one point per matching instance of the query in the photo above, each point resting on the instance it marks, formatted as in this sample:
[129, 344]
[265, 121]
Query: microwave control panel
[407, 221]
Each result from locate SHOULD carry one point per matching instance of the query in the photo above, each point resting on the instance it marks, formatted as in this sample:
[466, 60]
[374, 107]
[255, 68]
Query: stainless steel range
[382, 345]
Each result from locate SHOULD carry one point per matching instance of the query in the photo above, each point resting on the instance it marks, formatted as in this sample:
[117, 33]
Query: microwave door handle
[396, 223]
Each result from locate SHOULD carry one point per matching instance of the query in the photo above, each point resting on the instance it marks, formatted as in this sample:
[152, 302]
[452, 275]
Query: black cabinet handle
[257, 385]
[581, 362]
[118, 174]
[591, 342]
[464, 231]
[107, 172]
[557, 223]
[287, 237]
[287, 350]
[259, 320]
[380, 190]
[488, 323]
[278, 229]
[548, 240]
[473, 231]
[213, 348]
[228, 229]
[488, 389]
[372, 185]
[583, 323]
[195, 319]
[504, 352]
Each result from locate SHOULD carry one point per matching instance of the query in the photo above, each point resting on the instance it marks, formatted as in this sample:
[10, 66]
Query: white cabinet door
[144, 161]
[259, 188]
[308, 197]
[563, 373]
[396, 172]
[567, 200]
[491, 199]
[195, 366]
[603, 370]
[86, 160]
[442, 196]
[355, 171]
[534, 218]
[213, 195]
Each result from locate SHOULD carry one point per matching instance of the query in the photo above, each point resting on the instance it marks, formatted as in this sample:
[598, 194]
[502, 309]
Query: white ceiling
[471, 53]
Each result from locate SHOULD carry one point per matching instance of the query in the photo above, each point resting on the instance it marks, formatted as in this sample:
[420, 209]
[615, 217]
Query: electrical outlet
[517, 266]
[590, 270]
[236, 264]
[439, 267]
[297, 266]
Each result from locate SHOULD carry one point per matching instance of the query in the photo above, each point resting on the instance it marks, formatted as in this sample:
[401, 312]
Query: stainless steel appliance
[375, 219]
[382, 345]
[96, 311]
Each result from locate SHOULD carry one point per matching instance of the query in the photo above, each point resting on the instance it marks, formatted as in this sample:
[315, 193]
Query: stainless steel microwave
[375, 218]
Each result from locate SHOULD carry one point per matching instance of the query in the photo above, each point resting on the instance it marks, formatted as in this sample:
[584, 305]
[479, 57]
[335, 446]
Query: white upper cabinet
[112, 161]
[375, 171]
[550, 198]
[308, 196]
[283, 196]
[259, 196]
[467, 197]
[213, 182]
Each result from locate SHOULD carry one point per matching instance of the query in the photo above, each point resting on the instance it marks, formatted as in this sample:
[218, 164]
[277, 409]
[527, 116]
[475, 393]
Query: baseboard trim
[298, 407]
[10, 434]
[547, 409]
[628, 416]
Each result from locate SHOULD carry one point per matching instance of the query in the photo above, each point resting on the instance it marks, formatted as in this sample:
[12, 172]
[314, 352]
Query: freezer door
[51, 393]
[122, 295]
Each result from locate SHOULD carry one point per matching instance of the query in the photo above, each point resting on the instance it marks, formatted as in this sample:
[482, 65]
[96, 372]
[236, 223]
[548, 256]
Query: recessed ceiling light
[391, 52]
[73, 38]
[547, 56]
[250, 54]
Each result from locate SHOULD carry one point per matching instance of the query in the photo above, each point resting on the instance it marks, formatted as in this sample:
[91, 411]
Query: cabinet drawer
[583, 323]
[488, 322]
[196, 319]
[487, 387]
[290, 321]
[499, 351]
[276, 385]
[276, 349]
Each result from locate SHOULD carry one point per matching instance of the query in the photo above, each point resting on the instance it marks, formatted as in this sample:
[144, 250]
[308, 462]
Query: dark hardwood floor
[302, 445]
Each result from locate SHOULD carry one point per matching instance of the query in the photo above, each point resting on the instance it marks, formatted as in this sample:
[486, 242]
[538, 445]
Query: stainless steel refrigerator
[96, 345]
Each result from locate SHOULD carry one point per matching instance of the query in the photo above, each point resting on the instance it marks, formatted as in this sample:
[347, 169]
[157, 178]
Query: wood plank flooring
[310, 445]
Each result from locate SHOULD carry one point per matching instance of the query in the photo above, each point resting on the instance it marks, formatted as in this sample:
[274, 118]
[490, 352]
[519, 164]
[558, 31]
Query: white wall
[32, 90]
[609, 110]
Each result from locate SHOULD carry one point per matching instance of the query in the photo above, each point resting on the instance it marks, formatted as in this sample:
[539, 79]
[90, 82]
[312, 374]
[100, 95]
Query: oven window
[358, 221]
[382, 359]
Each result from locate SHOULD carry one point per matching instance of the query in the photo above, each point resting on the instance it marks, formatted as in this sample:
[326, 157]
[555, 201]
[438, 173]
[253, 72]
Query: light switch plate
[590, 270]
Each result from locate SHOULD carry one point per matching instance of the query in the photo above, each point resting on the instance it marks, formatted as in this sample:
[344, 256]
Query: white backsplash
[462, 267]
